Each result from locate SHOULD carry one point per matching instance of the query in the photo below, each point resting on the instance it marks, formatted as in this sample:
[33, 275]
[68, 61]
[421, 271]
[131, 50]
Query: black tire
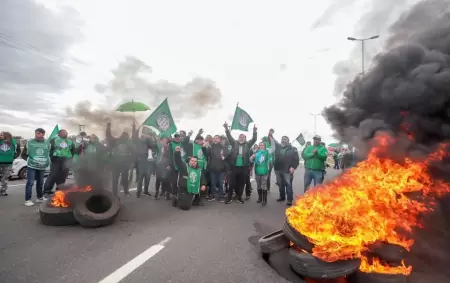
[391, 254]
[380, 278]
[273, 242]
[279, 261]
[96, 208]
[23, 173]
[298, 239]
[305, 264]
[185, 200]
[56, 216]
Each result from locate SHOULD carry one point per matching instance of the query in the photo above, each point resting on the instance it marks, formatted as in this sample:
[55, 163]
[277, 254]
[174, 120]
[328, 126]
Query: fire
[364, 205]
[377, 266]
[59, 198]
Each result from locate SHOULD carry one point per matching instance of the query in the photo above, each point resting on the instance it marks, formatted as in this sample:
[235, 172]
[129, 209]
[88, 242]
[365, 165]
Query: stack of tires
[91, 209]
[288, 251]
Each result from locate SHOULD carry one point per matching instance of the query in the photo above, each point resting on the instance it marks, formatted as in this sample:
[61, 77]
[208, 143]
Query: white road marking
[133, 264]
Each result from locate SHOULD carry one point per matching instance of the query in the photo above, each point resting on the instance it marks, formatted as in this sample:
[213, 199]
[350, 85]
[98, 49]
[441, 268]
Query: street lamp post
[315, 121]
[362, 40]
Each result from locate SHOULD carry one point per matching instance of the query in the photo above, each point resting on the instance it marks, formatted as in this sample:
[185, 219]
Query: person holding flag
[240, 153]
[271, 151]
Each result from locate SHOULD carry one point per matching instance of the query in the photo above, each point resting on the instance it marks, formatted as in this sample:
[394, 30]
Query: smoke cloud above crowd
[132, 80]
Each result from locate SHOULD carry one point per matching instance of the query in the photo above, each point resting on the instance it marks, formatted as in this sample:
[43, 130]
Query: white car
[19, 169]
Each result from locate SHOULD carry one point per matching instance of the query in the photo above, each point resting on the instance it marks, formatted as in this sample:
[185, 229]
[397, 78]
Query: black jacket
[215, 162]
[246, 151]
[183, 175]
[285, 158]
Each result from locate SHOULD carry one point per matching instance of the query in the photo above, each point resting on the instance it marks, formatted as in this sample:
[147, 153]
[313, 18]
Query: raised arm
[230, 138]
[254, 137]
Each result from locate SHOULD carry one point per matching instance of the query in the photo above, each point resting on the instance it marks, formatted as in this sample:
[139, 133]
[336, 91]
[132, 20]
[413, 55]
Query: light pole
[362, 40]
[315, 121]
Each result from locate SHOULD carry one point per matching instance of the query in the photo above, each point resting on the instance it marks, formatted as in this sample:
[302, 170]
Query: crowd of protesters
[220, 167]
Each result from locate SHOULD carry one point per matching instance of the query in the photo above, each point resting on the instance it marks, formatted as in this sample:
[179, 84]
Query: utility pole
[315, 121]
[363, 40]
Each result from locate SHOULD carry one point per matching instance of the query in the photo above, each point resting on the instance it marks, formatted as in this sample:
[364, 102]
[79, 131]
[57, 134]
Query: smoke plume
[407, 92]
[132, 81]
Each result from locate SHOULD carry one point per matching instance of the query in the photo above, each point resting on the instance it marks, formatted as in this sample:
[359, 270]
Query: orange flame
[59, 198]
[377, 266]
[364, 205]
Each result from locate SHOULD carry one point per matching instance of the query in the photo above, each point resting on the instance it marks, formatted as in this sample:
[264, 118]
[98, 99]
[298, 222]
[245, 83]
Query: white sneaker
[39, 200]
[45, 198]
[29, 203]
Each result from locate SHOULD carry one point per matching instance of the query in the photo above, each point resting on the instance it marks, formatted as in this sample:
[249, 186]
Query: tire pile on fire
[359, 228]
[74, 205]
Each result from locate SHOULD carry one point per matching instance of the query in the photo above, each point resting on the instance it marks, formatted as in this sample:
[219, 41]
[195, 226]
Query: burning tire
[96, 209]
[56, 216]
[273, 242]
[307, 265]
[185, 200]
[389, 253]
[380, 278]
[298, 239]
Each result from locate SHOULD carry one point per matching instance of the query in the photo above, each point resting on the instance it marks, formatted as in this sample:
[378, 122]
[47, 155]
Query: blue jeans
[217, 179]
[312, 175]
[32, 175]
[284, 181]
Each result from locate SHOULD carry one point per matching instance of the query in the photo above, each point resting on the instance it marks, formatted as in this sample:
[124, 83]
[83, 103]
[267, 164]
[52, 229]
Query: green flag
[54, 132]
[162, 120]
[241, 120]
[300, 139]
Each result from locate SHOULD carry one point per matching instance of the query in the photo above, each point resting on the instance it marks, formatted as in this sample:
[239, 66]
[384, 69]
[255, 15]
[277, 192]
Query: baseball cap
[317, 137]
[176, 135]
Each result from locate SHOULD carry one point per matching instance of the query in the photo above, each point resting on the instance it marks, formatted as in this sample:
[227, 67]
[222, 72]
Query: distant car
[19, 169]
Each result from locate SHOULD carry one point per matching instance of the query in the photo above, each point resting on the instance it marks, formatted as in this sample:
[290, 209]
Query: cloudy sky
[281, 60]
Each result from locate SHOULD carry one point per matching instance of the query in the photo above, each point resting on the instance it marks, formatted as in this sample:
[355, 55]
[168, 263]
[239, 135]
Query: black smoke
[407, 84]
[407, 92]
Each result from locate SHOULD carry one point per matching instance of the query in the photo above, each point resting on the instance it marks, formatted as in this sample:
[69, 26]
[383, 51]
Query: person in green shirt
[315, 156]
[9, 150]
[240, 161]
[61, 153]
[36, 152]
[271, 150]
[191, 179]
[261, 159]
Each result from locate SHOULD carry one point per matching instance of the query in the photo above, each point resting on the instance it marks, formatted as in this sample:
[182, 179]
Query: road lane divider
[135, 263]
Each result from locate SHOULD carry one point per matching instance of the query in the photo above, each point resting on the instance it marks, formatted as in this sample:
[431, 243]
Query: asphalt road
[151, 242]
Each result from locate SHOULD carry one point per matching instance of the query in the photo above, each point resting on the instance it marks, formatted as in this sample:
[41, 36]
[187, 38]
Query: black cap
[176, 135]
[40, 130]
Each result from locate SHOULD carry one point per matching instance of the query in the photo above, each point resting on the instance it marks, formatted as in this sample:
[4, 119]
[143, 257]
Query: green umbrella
[334, 145]
[133, 106]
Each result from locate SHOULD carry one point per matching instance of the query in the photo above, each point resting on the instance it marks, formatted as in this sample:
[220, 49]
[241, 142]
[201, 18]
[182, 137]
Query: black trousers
[146, 170]
[269, 174]
[163, 179]
[174, 182]
[237, 180]
[59, 171]
[120, 171]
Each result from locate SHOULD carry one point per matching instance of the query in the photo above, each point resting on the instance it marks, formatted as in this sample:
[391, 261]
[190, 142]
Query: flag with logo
[241, 120]
[161, 119]
[300, 139]
[54, 132]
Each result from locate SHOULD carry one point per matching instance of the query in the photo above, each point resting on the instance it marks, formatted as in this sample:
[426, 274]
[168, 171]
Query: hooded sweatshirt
[315, 161]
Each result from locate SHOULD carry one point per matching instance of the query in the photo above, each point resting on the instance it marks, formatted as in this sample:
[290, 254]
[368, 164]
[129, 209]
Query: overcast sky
[276, 58]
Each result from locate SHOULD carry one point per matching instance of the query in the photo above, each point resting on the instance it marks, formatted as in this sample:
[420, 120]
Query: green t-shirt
[7, 151]
[193, 180]
[62, 147]
[197, 151]
[240, 157]
[38, 154]
[262, 158]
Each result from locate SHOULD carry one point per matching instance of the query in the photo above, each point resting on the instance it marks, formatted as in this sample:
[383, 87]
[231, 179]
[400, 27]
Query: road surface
[151, 242]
